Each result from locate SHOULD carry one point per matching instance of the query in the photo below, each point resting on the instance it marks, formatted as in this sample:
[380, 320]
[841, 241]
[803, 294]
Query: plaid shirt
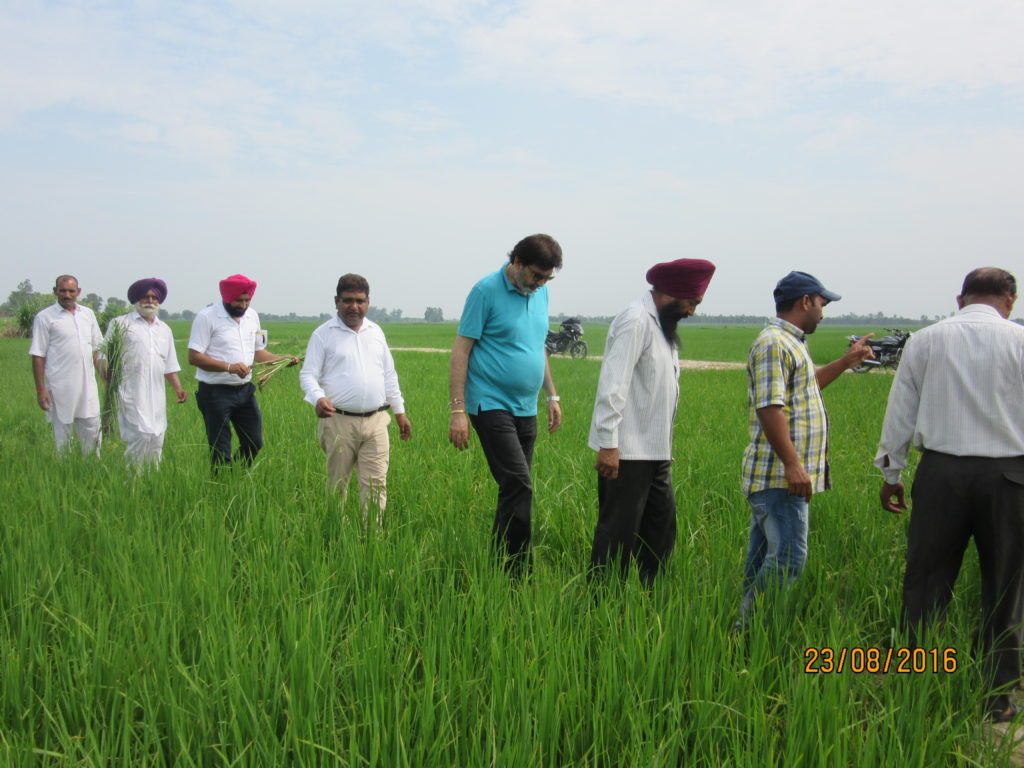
[780, 372]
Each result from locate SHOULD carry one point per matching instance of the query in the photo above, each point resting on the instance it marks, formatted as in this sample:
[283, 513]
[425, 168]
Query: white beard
[147, 310]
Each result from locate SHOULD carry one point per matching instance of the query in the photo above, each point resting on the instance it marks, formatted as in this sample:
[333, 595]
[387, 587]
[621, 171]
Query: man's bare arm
[776, 431]
[38, 373]
[458, 424]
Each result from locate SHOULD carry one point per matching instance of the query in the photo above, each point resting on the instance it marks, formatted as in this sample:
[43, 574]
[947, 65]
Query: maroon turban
[233, 287]
[140, 288]
[682, 278]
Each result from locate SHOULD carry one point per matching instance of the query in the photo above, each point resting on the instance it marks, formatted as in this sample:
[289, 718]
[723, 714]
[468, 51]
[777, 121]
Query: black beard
[668, 319]
[234, 311]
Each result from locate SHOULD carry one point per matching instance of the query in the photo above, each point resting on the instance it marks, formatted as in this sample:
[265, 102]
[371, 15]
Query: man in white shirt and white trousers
[634, 411]
[349, 377]
[65, 343]
[958, 396]
[149, 359]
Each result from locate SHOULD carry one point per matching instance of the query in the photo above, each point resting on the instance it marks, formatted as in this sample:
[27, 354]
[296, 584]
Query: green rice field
[182, 619]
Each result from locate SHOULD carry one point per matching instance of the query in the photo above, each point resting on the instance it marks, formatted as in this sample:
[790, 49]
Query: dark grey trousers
[507, 442]
[636, 518]
[953, 499]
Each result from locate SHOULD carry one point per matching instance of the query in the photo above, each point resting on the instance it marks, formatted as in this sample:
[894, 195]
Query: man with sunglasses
[498, 366]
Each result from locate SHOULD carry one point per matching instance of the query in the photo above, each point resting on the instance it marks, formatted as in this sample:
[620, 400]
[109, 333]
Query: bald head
[989, 281]
[989, 285]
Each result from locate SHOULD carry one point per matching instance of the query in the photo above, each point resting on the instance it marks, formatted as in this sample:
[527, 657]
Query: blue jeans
[778, 543]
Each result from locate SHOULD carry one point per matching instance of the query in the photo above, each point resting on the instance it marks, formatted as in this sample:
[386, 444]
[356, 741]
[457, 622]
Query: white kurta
[149, 356]
[67, 341]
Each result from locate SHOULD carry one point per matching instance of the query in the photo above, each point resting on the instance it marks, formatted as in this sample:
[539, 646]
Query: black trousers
[636, 518]
[953, 499]
[223, 405]
[507, 442]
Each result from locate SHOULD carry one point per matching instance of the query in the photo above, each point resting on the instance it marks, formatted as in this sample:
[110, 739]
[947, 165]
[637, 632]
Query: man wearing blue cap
[148, 360]
[786, 461]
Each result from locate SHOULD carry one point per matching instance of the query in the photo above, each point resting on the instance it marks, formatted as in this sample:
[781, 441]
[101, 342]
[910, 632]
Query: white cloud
[731, 60]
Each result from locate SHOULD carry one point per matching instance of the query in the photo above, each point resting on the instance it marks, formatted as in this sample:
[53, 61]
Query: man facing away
[786, 461]
[225, 342]
[634, 411]
[349, 377]
[149, 359]
[958, 396]
[65, 342]
[498, 366]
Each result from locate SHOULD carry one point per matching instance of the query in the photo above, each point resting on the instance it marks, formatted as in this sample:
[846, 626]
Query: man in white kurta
[634, 411]
[149, 360]
[349, 377]
[65, 339]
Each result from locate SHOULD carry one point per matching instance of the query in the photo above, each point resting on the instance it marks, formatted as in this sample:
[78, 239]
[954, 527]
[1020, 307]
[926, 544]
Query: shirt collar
[336, 322]
[986, 309]
[648, 301]
[509, 285]
[788, 327]
[224, 313]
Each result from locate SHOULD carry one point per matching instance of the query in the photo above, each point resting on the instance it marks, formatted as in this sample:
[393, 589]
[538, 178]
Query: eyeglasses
[537, 276]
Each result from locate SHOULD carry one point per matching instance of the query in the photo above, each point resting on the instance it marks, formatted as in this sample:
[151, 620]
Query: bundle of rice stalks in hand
[113, 351]
[263, 372]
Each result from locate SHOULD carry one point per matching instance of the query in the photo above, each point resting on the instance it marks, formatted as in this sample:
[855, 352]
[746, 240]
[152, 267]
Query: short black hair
[782, 307]
[989, 281]
[353, 282]
[541, 251]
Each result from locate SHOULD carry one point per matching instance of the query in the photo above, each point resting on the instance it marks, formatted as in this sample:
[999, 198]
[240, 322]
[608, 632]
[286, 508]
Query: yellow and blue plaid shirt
[780, 372]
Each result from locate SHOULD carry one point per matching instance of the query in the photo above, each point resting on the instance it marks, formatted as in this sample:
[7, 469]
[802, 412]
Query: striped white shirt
[638, 389]
[959, 390]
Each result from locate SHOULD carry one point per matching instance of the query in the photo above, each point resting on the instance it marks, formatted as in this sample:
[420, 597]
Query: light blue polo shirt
[506, 364]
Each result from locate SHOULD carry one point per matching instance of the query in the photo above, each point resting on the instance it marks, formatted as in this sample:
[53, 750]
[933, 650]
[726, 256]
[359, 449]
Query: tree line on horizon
[23, 302]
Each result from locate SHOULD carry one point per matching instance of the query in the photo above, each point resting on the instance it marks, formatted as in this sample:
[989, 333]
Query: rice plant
[112, 353]
[246, 619]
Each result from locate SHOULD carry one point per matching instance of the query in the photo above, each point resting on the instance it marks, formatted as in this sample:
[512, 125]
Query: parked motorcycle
[888, 350]
[568, 340]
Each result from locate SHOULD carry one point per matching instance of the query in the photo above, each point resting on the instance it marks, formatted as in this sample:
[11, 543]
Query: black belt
[363, 415]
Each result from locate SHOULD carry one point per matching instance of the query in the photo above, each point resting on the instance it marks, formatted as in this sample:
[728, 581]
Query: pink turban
[140, 288]
[233, 287]
[682, 278]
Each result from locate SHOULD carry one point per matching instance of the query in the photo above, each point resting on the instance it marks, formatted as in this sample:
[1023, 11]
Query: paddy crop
[181, 619]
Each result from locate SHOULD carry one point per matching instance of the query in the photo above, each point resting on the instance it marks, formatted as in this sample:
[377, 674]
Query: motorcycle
[888, 350]
[569, 339]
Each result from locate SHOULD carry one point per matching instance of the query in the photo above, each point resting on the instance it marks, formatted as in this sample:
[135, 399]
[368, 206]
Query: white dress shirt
[638, 388]
[149, 356]
[67, 340]
[959, 390]
[352, 369]
[219, 335]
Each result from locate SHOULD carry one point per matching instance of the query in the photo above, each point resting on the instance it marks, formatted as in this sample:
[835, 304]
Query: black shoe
[1003, 715]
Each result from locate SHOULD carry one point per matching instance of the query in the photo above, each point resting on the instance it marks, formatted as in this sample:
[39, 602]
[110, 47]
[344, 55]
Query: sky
[876, 144]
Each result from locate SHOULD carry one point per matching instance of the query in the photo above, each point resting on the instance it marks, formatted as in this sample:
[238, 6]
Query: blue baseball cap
[797, 284]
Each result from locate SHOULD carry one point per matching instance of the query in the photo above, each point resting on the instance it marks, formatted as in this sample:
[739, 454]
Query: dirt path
[688, 365]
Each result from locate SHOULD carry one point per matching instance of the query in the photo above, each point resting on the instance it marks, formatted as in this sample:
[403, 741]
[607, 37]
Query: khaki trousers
[361, 442]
